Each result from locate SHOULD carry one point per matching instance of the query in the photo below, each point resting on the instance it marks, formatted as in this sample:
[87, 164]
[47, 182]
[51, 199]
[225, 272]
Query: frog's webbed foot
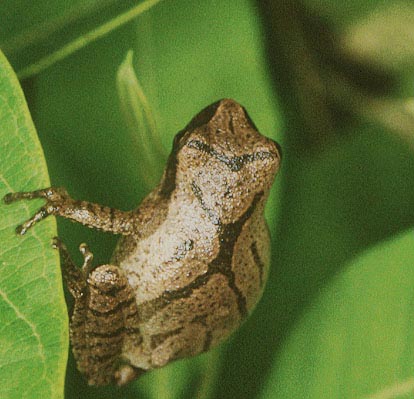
[59, 203]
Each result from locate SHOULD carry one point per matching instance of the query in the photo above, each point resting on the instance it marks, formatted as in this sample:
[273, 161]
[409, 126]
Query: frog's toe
[57, 243]
[41, 214]
[9, 198]
[126, 373]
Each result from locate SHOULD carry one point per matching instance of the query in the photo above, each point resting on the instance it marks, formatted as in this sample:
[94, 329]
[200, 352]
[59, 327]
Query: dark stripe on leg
[258, 262]
[158, 339]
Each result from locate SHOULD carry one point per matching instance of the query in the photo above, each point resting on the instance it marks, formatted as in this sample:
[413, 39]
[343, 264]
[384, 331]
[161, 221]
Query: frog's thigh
[186, 341]
[195, 323]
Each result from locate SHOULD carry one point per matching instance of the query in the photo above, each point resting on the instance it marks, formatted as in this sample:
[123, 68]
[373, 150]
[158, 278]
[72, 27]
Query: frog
[192, 259]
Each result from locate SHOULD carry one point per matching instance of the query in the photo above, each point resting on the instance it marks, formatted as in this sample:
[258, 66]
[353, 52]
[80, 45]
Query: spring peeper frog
[193, 257]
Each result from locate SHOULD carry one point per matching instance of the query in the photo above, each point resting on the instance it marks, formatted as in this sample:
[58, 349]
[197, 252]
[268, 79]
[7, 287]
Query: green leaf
[85, 39]
[356, 339]
[33, 316]
[195, 377]
[34, 38]
[141, 124]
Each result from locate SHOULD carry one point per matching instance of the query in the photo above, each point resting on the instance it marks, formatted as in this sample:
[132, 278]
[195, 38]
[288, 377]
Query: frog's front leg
[104, 316]
[59, 203]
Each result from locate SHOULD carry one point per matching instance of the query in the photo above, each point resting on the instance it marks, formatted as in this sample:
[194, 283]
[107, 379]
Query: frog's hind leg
[111, 321]
[104, 316]
[59, 203]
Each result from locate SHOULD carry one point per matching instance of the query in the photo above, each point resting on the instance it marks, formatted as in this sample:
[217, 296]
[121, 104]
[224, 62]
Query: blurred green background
[333, 83]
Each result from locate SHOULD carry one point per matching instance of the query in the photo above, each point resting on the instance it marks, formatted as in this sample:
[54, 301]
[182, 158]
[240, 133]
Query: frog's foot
[127, 373]
[59, 203]
[55, 199]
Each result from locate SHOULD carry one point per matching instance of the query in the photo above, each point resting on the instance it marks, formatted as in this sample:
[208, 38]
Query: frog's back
[198, 261]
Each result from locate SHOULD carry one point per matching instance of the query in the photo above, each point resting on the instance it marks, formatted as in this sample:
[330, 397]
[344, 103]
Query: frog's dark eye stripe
[233, 163]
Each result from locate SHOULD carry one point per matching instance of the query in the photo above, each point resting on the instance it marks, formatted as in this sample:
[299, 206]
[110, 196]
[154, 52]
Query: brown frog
[193, 257]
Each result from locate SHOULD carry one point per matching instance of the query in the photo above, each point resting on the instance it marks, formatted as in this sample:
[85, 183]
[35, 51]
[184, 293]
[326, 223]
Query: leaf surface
[33, 317]
[356, 339]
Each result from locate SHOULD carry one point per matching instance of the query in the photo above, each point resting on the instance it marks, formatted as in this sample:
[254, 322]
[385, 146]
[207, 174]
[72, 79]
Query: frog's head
[222, 158]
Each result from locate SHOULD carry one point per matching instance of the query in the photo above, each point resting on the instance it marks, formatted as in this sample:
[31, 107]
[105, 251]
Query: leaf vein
[32, 326]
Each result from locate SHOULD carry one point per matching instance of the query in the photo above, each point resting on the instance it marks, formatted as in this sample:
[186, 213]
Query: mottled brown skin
[193, 259]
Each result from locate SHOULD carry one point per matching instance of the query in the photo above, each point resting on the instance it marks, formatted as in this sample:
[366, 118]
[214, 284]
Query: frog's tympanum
[193, 257]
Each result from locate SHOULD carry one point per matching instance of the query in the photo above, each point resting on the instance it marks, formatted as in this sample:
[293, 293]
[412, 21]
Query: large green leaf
[356, 339]
[33, 318]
